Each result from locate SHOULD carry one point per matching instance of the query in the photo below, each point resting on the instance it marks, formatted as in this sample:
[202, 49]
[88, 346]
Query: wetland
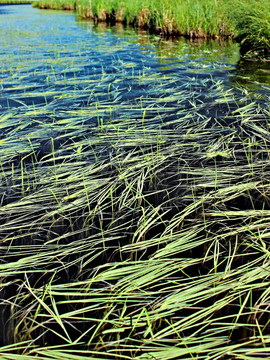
[135, 209]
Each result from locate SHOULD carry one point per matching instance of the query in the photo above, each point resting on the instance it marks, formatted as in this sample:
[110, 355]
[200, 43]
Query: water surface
[58, 73]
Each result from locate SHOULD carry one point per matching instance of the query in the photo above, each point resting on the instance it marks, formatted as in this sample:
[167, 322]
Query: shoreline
[206, 19]
[152, 20]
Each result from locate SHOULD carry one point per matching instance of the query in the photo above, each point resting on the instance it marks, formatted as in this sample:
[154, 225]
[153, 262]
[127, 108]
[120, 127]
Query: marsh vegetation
[135, 210]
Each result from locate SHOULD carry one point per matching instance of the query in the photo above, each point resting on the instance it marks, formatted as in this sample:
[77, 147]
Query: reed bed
[252, 21]
[138, 236]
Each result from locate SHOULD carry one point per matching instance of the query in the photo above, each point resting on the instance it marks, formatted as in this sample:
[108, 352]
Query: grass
[189, 18]
[252, 21]
[138, 241]
[133, 224]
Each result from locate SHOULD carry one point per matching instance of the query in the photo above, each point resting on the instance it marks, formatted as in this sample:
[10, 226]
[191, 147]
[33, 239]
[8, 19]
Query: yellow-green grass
[137, 238]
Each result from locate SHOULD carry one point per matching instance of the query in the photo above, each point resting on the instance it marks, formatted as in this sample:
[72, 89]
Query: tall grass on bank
[140, 237]
[199, 18]
[252, 22]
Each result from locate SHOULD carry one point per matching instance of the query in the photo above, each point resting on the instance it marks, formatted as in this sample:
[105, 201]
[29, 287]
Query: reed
[188, 18]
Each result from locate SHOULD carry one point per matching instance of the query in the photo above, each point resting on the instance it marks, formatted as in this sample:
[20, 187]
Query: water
[55, 67]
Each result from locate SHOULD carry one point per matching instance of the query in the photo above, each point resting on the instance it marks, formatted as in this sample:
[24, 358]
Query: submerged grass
[140, 237]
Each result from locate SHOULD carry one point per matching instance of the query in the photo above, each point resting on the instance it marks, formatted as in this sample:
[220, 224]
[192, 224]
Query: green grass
[252, 22]
[189, 18]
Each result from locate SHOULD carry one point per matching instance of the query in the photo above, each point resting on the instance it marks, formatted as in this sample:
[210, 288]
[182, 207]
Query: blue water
[52, 63]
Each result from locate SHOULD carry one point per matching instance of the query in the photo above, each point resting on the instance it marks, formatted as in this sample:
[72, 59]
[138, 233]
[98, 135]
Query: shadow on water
[252, 74]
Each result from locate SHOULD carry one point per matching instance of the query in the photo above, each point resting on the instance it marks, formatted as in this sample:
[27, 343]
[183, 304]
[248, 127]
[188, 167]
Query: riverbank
[189, 18]
[247, 21]
[251, 20]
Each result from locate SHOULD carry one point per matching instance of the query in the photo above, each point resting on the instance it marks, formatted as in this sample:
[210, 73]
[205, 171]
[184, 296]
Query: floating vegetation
[135, 211]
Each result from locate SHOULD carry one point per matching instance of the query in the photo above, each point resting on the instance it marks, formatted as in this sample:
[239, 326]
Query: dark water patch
[253, 75]
[4, 11]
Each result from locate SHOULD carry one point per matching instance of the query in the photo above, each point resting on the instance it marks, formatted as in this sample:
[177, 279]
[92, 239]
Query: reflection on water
[252, 74]
[206, 56]
[223, 54]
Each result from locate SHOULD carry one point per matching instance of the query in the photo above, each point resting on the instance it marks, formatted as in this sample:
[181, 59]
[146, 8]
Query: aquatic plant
[134, 218]
[140, 236]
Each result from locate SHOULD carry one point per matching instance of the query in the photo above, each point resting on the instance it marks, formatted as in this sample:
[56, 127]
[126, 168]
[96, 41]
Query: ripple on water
[53, 64]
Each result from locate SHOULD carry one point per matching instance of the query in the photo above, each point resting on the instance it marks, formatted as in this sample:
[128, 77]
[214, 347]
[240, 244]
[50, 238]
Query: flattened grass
[141, 241]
